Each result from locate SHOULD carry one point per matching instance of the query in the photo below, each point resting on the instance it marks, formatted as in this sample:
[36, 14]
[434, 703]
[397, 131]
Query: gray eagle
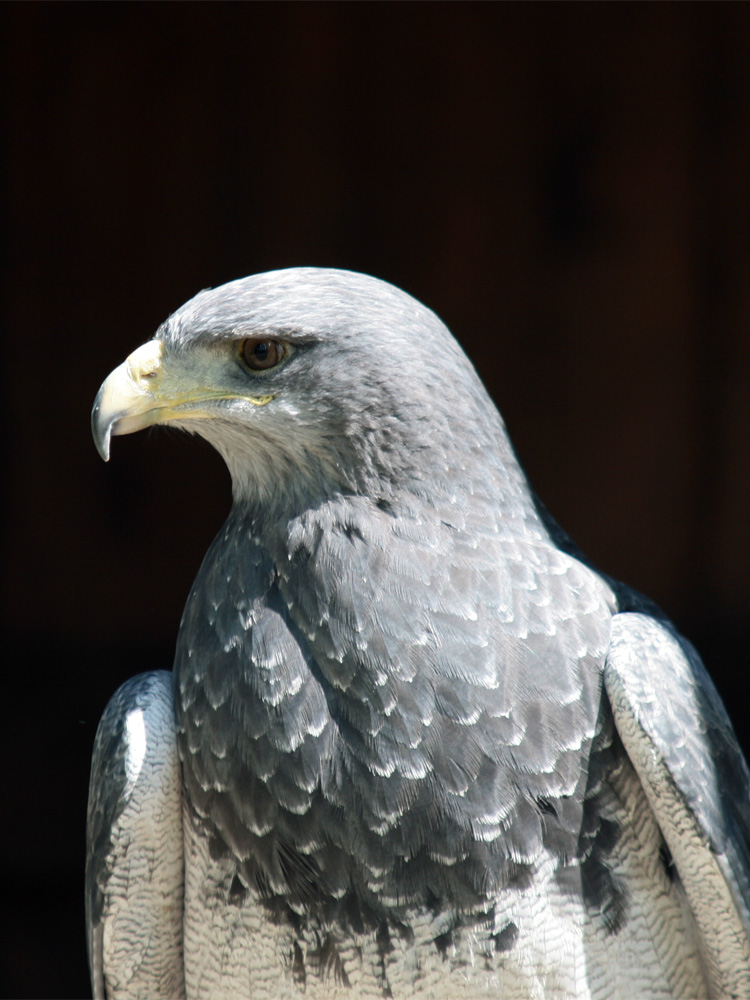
[413, 745]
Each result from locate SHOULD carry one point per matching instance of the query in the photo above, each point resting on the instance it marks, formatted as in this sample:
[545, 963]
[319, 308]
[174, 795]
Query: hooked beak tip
[101, 428]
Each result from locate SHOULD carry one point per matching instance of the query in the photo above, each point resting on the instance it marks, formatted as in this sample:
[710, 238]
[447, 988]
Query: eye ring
[259, 354]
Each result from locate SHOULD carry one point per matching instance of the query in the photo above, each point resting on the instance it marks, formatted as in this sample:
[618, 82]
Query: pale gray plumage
[426, 750]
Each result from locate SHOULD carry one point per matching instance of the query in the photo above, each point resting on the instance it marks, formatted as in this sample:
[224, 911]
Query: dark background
[567, 185]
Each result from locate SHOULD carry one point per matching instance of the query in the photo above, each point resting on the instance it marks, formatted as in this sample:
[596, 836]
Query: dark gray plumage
[394, 687]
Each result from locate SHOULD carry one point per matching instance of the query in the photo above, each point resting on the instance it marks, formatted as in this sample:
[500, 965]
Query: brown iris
[260, 353]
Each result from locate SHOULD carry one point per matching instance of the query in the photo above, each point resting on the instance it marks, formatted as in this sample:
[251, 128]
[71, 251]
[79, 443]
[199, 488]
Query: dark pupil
[261, 350]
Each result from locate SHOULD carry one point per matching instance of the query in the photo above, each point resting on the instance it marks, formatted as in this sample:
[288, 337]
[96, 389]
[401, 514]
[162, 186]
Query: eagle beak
[128, 400]
[146, 390]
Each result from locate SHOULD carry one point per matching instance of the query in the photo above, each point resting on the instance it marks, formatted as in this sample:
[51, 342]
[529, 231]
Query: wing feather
[134, 856]
[681, 743]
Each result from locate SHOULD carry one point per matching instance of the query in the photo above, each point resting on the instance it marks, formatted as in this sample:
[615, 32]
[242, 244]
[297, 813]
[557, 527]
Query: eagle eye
[261, 353]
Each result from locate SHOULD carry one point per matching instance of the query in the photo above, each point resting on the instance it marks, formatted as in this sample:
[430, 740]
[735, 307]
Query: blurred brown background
[567, 185]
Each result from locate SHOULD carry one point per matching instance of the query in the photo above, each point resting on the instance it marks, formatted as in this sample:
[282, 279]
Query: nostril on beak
[144, 364]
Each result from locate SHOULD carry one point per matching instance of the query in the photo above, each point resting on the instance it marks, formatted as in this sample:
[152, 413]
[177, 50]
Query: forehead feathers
[309, 305]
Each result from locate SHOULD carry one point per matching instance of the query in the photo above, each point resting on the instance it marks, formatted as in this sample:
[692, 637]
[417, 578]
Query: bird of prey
[413, 745]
